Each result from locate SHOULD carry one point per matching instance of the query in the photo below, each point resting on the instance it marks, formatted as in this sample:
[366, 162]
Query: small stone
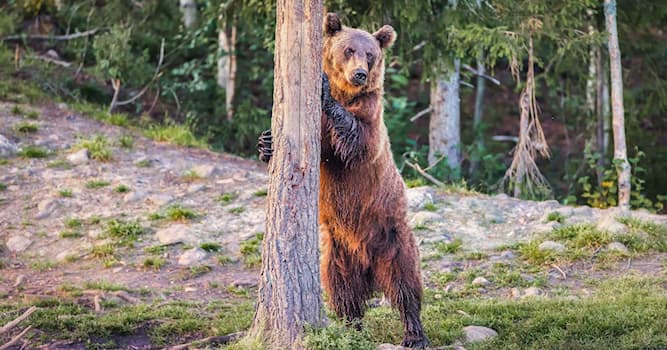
[7, 148]
[610, 224]
[424, 217]
[419, 196]
[618, 247]
[190, 289]
[79, 157]
[248, 282]
[46, 207]
[160, 199]
[480, 281]
[205, 170]
[532, 292]
[515, 293]
[173, 234]
[194, 188]
[134, 196]
[475, 334]
[191, 257]
[18, 243]
[551, 245]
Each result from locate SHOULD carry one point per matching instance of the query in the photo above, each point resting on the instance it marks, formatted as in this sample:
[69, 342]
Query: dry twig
[15, 339]
[217, 340]
[6, 328]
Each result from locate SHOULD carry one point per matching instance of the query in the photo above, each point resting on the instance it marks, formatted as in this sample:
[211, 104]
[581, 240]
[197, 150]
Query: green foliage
[177, 134]
[126, 141]
[449, 247]
[97, 146]
[65, 193]
[250, 250]
[210, 247]
[34, 152]
[337, 336]
[180, 213]
[92, 184]
[125, 232]
[122, 189]
[26, 128]
[115, 59]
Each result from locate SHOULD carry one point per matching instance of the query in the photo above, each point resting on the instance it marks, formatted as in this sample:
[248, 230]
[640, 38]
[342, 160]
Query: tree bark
[289, 288]
[479, 112]
[445, 123]
[189, 10]
[618, 118]
[227, 66]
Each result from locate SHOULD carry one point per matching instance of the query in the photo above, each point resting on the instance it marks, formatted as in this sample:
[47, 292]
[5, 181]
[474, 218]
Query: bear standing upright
[366, 242]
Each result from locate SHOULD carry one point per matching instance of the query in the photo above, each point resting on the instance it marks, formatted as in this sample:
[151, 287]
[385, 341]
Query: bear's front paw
[326, 92]
[415, 342]
[265, 146]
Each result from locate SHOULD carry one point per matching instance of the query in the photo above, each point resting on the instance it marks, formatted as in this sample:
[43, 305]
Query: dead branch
[216, 340]
[421, 114]
[54, 37]
[6, 328]
[15, 339]
[123, 295]
[483, 75]
[424, 174]
[559, 270]
[54, 61]
[96, 303]
[466, 84]
[145, 88]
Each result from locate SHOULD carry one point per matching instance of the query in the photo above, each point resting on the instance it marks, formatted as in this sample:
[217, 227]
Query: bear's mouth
[359, 77]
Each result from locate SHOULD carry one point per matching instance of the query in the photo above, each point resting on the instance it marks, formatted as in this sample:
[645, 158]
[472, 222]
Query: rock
[7, 148]
[480, 281]
[609, 223]
[391, 347]
[545, 227]
[617, 247]
[134, 196]
[191, 257]
[18, 243]
[419, 196]
[424, 217]
[160, 199]
[79, 157]
[46, 207]
[205, 170]
[515, 293]
[194, 188]
[173, 234]
[551, 245]
[475, 334]
[245, 282]
[532, 292]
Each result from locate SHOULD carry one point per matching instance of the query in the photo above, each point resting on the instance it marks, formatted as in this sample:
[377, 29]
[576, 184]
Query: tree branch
[15, 339]
[483, 75]
[6, 328]
[155, 76]
[424, 174]
[421, 114]
[217, 340]
[53, 37]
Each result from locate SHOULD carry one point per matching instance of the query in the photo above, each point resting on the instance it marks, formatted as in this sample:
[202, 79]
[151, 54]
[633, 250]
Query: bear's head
[354, 59]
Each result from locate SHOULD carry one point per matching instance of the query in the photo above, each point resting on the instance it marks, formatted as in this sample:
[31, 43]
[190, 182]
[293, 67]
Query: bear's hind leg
[345, 282]
[398, 275]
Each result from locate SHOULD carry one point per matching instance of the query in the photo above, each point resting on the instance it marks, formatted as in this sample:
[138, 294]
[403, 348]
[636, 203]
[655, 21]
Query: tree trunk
[618, 118]
[479, 113]
[289, 287]
[189, 10]
[226, 76]
[445, 123]
[593, 101]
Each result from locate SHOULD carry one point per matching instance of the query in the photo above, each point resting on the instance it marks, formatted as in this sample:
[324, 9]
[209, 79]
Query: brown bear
[367, 244]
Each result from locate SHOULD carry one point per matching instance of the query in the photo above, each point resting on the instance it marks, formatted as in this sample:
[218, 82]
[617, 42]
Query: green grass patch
[250, 250]
[92, 184]
[211, 247]
[227, 198]
[126, 141]
[125, 232]
[156, 249]
[173, 133]
[199, 270]
[3, 186]
[59, 164]
[65, 193]
[73, 223]
[26, 127]
[430, 207]
[103, 251]
[191, 175]
[34, 152]
[644, 236]
[121, 189]
[180, 213]
[237, 210]
[415, 182]
[260, 193]
[556, 216]
[154, 263]
[449, 247]
[145, 163]
[42, 265]
[97, 146]
[69, 234]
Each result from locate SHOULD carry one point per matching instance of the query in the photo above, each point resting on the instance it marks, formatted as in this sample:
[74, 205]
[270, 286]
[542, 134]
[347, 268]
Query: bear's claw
[415, 342]
[264, 146]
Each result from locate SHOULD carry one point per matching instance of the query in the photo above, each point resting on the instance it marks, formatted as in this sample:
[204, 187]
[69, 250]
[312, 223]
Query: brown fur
[367, 243]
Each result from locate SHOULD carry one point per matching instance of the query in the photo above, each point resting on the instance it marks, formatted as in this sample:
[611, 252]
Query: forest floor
[122, 242]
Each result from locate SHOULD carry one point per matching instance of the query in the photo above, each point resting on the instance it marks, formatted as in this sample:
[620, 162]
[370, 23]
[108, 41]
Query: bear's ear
[332, 24]
[386, 36]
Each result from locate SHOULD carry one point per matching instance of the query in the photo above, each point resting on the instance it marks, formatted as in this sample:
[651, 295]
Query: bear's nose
[360, 76]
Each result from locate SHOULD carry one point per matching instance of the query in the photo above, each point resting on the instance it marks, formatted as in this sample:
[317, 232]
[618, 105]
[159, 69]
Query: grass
[644, 236]
[69, 234]
[173, 133]
[65, 193]
[92, 184]
[3, 186]
[449, 247]
[42, 265]
[180, 213]
[143, 163]
[199, 270]
[34, 152]
[252, 256]
[237, 210]
[191, 175]
[73, 223]
[211, 247]
[106, 286]
[97, 146]
[260, 193]
[156, 249]
[154, 263]
[126, 141]
[121, 189]
[430, 207]
[103, 251]
[556, 216]
[59, 164]
[26, 127]
[124, 232]
[227, 198]
[415, 182]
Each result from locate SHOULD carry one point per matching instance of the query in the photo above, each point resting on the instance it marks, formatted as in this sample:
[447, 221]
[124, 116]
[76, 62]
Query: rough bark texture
[289, 289]
[479, 110]
[445, 124]
[189, 10]
[618, 118]
[227, 66]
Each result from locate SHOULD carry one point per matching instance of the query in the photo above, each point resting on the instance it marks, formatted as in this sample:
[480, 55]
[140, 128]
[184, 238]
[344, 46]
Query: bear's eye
[369, 56]
[349, 52]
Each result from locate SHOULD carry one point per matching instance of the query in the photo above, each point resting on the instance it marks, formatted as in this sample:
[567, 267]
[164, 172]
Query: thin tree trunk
[592, 100]
[618, 118]
[445, 123]
[479, 111]
[226, 76]
[289, 288]
[599, 101]
[189, 10]
[606, 112]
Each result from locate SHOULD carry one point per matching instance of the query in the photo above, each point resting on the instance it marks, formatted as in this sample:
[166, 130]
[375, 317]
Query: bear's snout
[359, 77]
